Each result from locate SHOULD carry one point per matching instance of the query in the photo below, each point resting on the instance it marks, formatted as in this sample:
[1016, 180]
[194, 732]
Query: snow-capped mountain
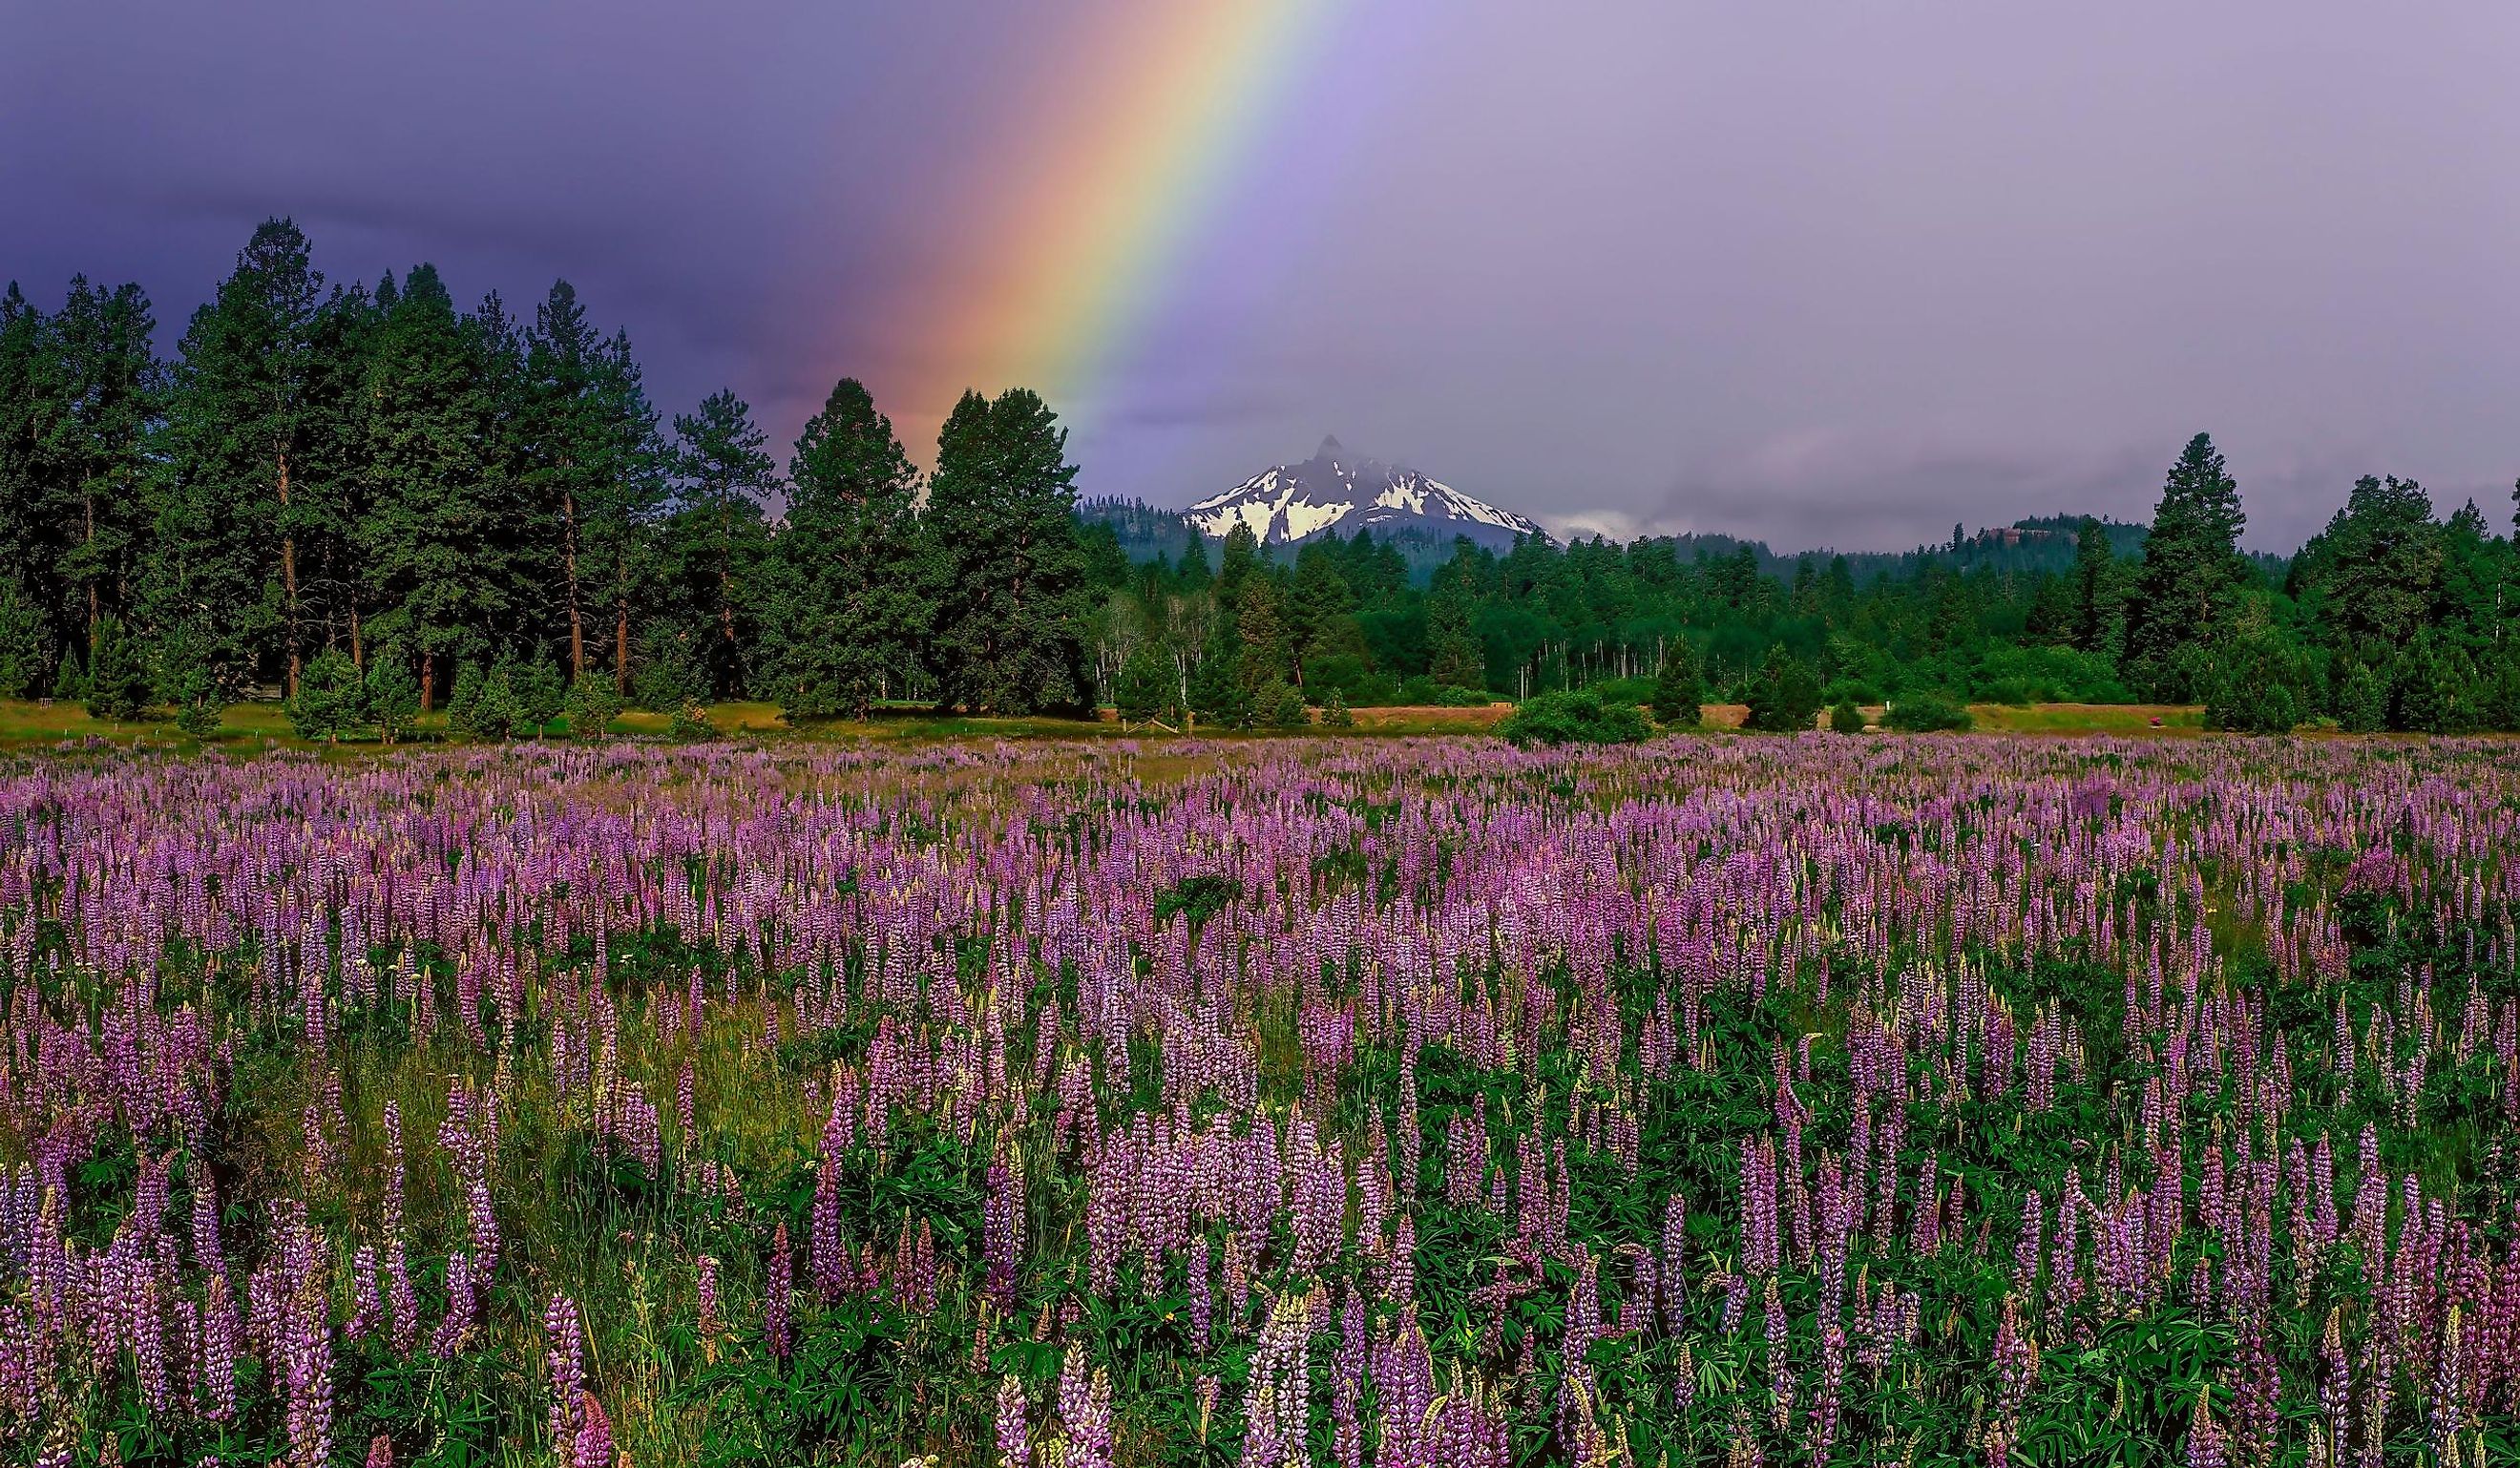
[1332, 491]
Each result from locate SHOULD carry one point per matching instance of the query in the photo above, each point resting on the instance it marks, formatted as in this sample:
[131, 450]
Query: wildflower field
[1803, 1100]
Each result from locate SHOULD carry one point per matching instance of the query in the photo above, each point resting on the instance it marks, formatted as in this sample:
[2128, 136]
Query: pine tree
[390, 695]
[430, 541]
[2190, 581]
[235, 522]
[2094, 579]
[22, 642]
[329, 701]
[99, 395]
[1144, 688]
[595, 469]
[1009, 570]
[1679, 688]
[1454, 657]
[118, 684]
[716, 539]
[1786, 696]
[848, 627]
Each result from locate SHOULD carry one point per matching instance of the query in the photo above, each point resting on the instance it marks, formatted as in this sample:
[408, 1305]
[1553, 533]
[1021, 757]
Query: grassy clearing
[245, 727]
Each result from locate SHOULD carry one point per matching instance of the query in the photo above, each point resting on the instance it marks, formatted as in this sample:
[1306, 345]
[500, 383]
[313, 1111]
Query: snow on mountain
[1332, 491]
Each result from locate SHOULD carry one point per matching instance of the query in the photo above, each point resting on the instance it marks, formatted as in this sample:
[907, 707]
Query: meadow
[1410, 1101]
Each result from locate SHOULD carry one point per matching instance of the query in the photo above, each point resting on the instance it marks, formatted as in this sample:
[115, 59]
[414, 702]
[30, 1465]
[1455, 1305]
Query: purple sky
[1825, 272]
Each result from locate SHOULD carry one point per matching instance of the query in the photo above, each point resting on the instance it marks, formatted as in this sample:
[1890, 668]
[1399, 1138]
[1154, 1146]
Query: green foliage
[850, 562]
[328, 700]
[1145, 688]
[668, 674]
[1006, 567]
[1679, 688]
[1334, 712]
[690, 723]
[117, 686]
[1577, 716]
[2254, 686]
[391, 695]
[1924, 711]
[22, 642]
[493, 712]
[540, 694]
[592, 707]
[1846, 717]
[1786, 696]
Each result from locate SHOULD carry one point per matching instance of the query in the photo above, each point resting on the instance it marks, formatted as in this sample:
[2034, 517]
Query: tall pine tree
[232, 525]
[1007, 562]
[2192, 578]
[852, 609]
[716, 538]
[430, 540]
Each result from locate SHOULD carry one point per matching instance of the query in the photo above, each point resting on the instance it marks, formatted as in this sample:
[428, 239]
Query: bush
[592, 707]
[117, 686]
[1147, 687]
[494, 712]
[22, 642]
[540, 694]
[1924, 711]
[1679, 694]
[667, 675]
[690, 722]
[1577, 716]
[1786, 696]
[328, 703]
[1282, 704]
[1334, 712]
[393, 695]
[1846, 717]
[464, 698]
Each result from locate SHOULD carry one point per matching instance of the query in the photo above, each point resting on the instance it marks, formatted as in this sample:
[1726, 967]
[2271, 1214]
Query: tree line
[366, 477]
[378, 504]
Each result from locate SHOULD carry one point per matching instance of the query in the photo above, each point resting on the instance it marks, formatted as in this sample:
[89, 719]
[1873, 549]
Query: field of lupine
[1789, 1101]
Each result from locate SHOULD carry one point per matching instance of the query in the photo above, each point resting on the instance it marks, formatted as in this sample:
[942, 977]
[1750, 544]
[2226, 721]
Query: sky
[1827, 274]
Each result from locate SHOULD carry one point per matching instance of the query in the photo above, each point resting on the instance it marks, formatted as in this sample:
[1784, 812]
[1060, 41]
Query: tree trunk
[288, 575]
[428, 682]
[622, 644]
[569, 568]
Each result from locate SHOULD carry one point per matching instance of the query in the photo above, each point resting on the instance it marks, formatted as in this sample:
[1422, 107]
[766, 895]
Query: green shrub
[1147, 687]
[392, 694]
[593, 705]
[117, 685]
[328, 702]
[494, 712]
[1924, 711]
[1678, 696]
[690, 722]
[1846, 717]
[1577, 716]
[1334, 712]
[541, 695]
[1785, 698]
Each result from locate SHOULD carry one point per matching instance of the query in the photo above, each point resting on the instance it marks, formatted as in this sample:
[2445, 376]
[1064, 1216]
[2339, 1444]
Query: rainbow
[1126, 154]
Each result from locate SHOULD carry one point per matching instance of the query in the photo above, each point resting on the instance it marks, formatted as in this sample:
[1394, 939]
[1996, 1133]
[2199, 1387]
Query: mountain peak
[1332, 492]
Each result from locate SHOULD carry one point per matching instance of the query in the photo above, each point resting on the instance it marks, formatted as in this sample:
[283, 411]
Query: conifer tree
[1680, 688]
[429, 540]
[1006, 560]
[2190, 581]
[233, 528]
[716, 539]
[851, 614]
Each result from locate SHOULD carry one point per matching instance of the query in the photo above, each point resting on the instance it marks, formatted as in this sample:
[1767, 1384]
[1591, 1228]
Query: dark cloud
[1829, 274]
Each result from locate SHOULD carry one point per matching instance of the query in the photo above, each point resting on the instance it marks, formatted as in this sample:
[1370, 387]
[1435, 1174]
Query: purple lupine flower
[1014, 1449]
